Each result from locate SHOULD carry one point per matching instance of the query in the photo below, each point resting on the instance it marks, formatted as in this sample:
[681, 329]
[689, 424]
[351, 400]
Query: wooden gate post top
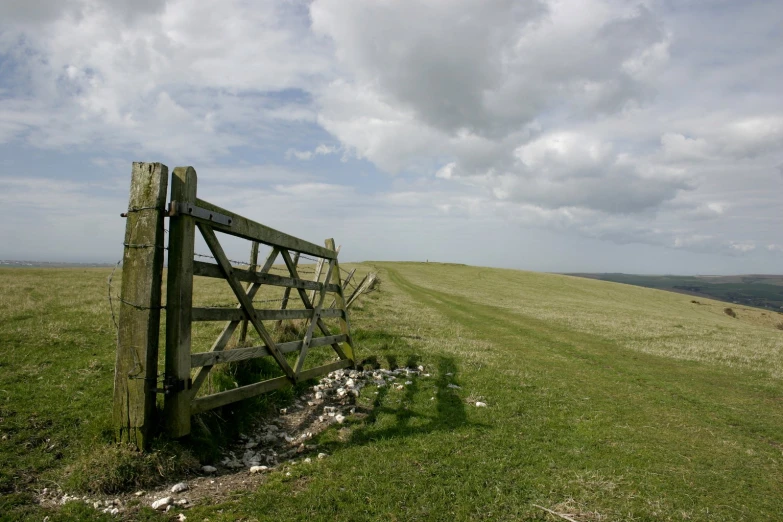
[136, 365]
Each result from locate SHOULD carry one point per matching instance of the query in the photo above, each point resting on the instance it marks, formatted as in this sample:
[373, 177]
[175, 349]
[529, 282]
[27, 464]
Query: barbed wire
[270, 300]
[234, 305]
[310, 258]
[139, 209]
[138, 306]
[143, 245]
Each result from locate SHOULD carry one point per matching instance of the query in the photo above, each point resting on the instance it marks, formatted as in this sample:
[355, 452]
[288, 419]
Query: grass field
[605, 401]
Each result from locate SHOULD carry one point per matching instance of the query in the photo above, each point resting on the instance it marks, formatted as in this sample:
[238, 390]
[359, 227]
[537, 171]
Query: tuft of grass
[289, 331]
[117, 468]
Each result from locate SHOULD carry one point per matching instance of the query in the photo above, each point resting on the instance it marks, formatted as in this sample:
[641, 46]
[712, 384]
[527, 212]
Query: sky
[551, 135]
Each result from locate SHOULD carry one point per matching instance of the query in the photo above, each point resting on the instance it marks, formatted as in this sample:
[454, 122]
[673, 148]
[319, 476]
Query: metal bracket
[173, 385]
[177, 208]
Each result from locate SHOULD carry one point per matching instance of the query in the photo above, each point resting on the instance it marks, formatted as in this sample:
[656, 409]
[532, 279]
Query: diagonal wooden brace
[316, 317]
[247, 303]
[231, 326]
[307, 304]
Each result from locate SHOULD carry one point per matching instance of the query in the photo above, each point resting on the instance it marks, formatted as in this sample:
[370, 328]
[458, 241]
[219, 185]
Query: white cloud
[745, 246]
[566, 112]
[304, 155]
[169, 77]
[469, 82]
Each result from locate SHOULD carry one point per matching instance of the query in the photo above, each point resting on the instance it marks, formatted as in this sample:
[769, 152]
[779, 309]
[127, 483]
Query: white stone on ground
[322, 455]
[480, 404]
[179, 488]
[161, 503]
[258, 469]
[207, 469]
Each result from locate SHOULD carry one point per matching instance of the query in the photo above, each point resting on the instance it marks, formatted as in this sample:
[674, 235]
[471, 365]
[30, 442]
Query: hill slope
[762, 291]
[605, 401]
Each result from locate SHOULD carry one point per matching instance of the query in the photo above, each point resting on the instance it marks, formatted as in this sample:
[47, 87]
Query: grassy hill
[605, 401]
[761, 291]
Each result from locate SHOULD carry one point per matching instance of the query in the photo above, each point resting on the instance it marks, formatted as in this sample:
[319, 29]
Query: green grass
[606, 401]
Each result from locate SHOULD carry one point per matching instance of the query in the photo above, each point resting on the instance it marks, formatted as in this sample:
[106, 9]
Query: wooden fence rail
[185, 371]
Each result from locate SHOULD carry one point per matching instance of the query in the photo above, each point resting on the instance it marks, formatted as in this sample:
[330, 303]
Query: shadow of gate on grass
[449, 411]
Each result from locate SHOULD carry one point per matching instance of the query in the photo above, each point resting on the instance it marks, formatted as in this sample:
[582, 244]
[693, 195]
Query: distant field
[762, 291]
[605, 402]
[6, 263]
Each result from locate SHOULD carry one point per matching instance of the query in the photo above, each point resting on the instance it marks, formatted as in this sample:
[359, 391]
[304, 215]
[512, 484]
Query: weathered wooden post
[179, 302]
[136, 366]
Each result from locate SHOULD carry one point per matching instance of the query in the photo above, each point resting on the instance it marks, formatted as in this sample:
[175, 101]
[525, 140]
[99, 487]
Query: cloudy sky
[552, 135]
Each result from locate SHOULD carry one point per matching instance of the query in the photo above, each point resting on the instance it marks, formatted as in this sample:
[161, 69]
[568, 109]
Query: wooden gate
[186, 372]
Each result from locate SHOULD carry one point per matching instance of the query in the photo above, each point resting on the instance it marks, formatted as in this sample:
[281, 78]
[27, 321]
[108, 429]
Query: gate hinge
[177, 208]
[174, 385]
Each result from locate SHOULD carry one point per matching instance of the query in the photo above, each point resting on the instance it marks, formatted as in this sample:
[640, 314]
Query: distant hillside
[762, 291]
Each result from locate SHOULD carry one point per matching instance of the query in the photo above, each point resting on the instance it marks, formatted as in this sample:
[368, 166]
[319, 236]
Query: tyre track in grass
[697, 394]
